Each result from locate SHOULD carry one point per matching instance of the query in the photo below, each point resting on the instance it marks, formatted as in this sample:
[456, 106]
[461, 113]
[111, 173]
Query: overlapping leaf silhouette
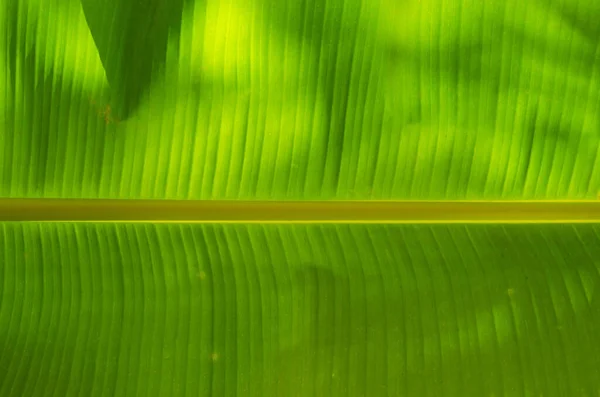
[131, 37]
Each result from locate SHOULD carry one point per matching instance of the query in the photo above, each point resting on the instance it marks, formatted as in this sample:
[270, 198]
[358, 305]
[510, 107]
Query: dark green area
[131, 37]
[178, 310]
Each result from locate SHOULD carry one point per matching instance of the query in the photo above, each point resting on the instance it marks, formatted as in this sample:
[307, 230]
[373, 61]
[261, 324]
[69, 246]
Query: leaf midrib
[237, 211]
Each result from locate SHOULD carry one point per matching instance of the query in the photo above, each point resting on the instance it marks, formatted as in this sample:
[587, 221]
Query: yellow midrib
[233, 211]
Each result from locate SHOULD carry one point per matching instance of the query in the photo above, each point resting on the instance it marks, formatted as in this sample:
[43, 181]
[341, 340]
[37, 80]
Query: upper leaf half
[311, 99]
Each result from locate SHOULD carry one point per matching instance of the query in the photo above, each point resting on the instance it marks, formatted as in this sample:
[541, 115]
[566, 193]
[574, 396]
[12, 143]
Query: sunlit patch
[217, 38]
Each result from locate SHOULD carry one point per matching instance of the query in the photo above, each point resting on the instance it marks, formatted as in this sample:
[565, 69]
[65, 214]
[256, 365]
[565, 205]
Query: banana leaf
[300, 99]
[299, 310]
[303, 100]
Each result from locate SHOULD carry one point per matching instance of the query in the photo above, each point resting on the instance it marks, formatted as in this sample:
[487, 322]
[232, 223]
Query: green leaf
[309, 99]
[117, 309]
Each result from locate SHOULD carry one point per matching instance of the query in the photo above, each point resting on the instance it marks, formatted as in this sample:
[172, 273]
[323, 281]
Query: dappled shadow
[338, 40]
